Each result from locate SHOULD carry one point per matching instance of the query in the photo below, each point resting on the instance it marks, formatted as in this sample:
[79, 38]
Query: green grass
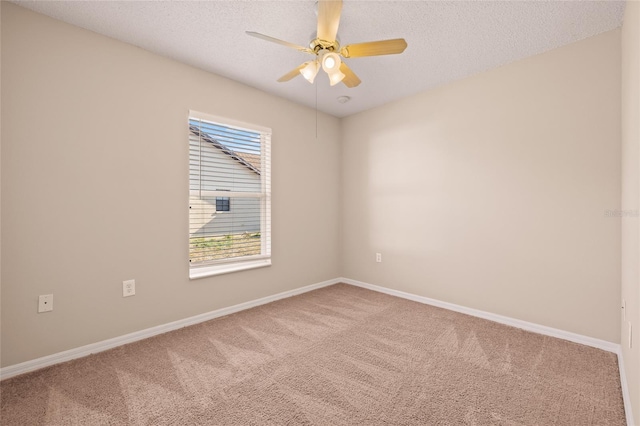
[202, 249]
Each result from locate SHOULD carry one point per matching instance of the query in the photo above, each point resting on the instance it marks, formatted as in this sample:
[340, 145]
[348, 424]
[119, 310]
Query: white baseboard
[36, 364]
[529, 326]
[625, 389]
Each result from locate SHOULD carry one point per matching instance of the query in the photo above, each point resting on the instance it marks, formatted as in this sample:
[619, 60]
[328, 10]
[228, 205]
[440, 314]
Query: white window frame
[225, 266]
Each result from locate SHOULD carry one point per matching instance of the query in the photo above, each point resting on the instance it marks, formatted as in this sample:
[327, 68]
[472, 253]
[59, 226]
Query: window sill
[211, 270]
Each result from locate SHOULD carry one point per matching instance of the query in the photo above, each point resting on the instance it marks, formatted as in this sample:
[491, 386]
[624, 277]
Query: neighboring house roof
[253, 159]
[250, 161]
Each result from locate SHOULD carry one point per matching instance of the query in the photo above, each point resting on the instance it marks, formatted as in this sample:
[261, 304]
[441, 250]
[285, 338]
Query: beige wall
[631, 198]
[95, 188]
[491, 192]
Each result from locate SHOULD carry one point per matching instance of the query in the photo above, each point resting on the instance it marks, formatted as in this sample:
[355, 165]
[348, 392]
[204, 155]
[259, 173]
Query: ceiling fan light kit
[336, 77]
[310, 70]
[327, 50]
[331, 65]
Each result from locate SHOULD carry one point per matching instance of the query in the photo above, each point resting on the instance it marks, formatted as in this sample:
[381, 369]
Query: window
[222, 204]
[229, 164]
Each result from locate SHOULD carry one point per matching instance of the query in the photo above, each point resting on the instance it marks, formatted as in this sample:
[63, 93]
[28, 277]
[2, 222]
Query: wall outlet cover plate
[45, 303]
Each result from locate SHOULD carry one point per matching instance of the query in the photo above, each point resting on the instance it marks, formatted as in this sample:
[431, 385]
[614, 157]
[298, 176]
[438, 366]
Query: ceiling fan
[327, 50]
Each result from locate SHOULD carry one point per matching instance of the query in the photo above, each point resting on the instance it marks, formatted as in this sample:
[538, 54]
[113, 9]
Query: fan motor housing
[318, 44]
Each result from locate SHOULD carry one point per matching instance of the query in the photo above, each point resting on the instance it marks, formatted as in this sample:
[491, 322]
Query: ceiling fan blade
[374, 48]
[328, 19]
[293, 73]
[278, 41]
[350, 78]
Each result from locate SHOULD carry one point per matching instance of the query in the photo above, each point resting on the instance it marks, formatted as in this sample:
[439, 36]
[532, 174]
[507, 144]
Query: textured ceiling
[448, 40]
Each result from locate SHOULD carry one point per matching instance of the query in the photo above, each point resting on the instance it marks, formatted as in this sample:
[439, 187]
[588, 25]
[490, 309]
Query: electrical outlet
[45, 303]
[378, 257]
[128, 288]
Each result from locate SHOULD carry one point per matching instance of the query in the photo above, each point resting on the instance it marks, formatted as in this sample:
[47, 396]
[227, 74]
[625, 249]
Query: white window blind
[229, 195]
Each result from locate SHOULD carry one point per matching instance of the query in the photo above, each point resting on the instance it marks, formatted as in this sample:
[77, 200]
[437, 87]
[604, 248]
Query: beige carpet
[340, 355]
